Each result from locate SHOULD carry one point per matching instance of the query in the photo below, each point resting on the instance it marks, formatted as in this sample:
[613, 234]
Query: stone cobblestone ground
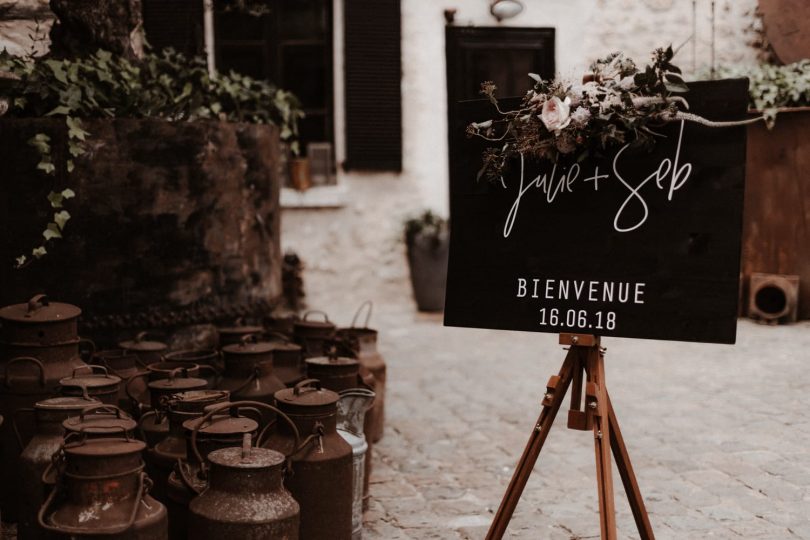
[718, 434]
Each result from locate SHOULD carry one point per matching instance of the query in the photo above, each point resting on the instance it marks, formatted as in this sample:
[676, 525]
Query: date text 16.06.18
[578, 318]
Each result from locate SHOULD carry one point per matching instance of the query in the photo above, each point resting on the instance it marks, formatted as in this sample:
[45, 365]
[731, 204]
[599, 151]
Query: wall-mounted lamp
[505, 9]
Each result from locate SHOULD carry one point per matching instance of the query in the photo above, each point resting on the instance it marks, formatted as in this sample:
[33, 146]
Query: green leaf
[60, 218]
[52, 232]
[69, 165]
[75, 130]
[55, 199]
[76, 149]
[61, 109]
[39, 252]
[21, 260]
[58, 70]
[68, 193]
[535, 77]
[46, 166]
[676, 88]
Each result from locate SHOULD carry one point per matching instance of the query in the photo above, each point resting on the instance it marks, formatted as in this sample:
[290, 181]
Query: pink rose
[556, 114]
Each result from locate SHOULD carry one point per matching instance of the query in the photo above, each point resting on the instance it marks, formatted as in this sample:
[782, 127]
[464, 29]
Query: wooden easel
[585, 357]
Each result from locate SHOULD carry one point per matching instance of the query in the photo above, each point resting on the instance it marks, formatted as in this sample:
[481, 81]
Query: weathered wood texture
[165, 215]
[776, 238]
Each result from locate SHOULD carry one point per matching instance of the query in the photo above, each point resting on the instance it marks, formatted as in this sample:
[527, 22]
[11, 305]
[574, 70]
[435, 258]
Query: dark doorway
[504, 55]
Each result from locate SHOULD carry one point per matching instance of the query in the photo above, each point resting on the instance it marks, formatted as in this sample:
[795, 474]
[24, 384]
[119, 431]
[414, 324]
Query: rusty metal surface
[102, 489]
[777, 213]
[245, 498]
[313, 335]
[249, 373]
[92, 382]
[321, 479]
[336, 373]
[100, 420]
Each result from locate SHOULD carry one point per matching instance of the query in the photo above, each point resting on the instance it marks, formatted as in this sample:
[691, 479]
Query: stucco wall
[354, 253]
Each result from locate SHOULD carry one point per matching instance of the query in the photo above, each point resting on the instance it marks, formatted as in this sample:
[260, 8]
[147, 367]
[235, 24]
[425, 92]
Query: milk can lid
[39, 310]
[307, 394]
[251, 458]
[223, 424]
[141, 344]
[100, 420]
[106, 446]
[248, 347]
[96, 377]
[67, 403]
[178, 384]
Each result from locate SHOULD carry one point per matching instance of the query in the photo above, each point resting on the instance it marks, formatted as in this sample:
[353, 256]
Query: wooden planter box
[776, 230]
[166, 216]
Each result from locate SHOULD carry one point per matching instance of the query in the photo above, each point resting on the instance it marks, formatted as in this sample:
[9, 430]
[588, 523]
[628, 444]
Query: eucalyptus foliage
[166, 85]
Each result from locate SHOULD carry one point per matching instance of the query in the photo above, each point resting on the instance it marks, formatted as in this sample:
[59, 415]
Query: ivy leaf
[61, 109]
[55, 199]
[58, 70]
[676, 88]
[536, 77]
[52, 231]
[20, 103]
[46, 166]
[68, 193]
[76, 149]
[69, 165]
[75, 130]
[39, 252]
[60, 218]
[21, 260]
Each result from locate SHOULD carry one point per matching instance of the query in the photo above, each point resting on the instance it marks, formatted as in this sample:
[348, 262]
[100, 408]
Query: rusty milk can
[321, 479]
[312, 335]
[35, 458]
[153, 423]
[92, 382]
[352, 408]
[230, 335]
[100, 420]
[148, 351]
[336, 373]
[209, 360]
[103, 490]
[288, 359]
[123, 364]
[224, 429]
[249, 373]
[39, 345]
[161, 458]
[363, 340]
[245, 497]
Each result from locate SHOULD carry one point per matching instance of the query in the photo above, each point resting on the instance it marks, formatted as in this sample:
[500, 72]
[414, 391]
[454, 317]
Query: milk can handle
[14, 424]
[20, 359]
[128, 389]
[370, 305]
[100, 407]
[307, 384]
[37, 302]
[143, 488]
[317, 311]
[93, 368]
[92, 346]
[235, 404]
[272, 333]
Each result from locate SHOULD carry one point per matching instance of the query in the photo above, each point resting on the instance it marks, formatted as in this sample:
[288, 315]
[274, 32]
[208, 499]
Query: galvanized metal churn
[39, 345]
[148, 351]
[352, 408]
[222, 430]
[363, 340]
[92, 382]
[102, 489]
[123, 364]
[36, 455]
[321, 479]
[313, 336]
[163, 456]
[244, 497]
[249, 373]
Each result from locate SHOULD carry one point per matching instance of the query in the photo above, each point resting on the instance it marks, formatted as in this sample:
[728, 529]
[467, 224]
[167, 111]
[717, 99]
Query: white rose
[555, 114]
[580, 116]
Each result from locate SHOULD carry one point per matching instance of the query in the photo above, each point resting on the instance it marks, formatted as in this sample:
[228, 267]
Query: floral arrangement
[615, 104]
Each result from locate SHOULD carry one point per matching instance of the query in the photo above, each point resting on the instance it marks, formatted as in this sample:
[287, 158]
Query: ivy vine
[167, 85]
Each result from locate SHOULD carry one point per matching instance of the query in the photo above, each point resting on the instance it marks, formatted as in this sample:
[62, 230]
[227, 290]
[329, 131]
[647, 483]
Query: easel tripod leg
[628, 476]
[597, 396]
[530, 454]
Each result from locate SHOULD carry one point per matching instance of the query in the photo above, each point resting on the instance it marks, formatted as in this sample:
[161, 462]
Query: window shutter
[174, 23]
[373, 73]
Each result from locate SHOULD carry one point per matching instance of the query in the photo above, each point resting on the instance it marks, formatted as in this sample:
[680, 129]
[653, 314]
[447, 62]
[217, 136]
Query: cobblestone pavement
[718, 435]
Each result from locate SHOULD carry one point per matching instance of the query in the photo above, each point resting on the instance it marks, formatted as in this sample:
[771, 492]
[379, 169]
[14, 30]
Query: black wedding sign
[635, 243]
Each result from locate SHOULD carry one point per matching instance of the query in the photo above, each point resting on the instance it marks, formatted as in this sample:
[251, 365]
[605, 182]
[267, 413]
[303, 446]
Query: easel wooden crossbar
[584, 363]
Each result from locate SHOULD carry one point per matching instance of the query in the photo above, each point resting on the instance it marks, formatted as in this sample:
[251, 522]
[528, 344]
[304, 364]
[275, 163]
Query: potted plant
[427, 241]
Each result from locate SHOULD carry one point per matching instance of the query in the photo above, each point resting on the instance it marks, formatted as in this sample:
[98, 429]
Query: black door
[503, 55]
